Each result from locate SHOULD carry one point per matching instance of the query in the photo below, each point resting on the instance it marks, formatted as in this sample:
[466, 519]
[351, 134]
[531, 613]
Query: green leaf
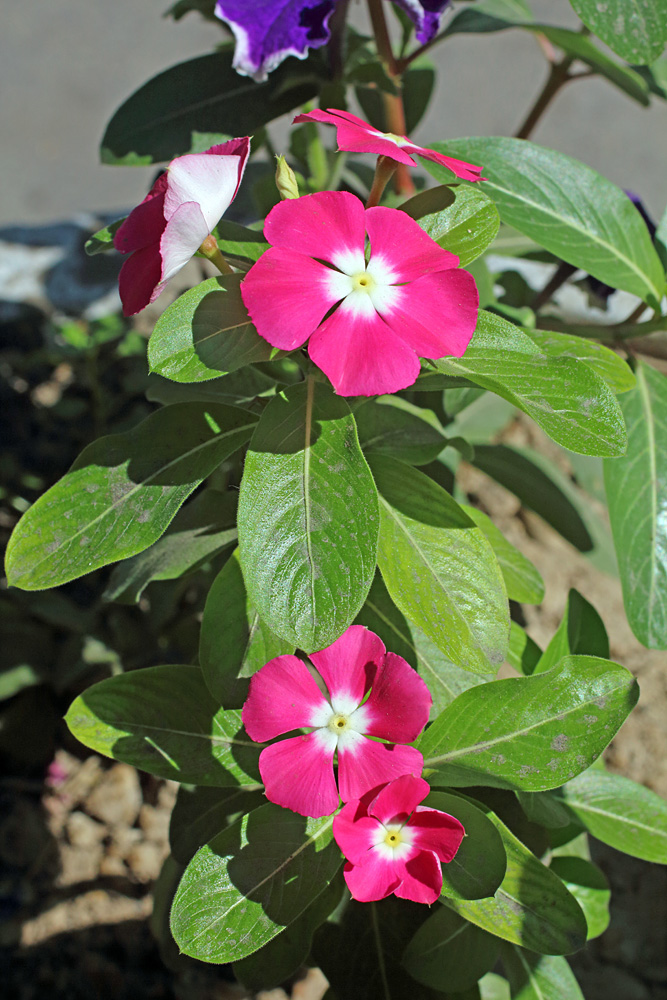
[530, 733]
[250, 882]
[567, 208]
[589, 887]
[200, 813]
[122, 492]
[445, 680]
[234, 642]
[157, 122]
[621, 813]
[522, 580]
[637, 31]
[532, 907]
[448, 949]
[493, 987]
[575, 44]
[164, 721]
[276, 961]
[238, 242]
[581, 631]
[544, 809]
[539, 977]
[480, 863]
[608, 365]
[524, 653]
[241, 388]
[568, 400]
[391, 426]
[200, 530]
[489, 15]
[461, 219]
[636, 486]
[417, 88]
[439, 569]
[308, 517]
[102, 240]
[206, 333]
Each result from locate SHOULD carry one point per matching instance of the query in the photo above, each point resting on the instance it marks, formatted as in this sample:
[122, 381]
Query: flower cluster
[391, 843]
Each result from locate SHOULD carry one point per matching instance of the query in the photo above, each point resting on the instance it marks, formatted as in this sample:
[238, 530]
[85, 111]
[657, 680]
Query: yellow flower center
[393, 838]
[362, 282]
[338, 723]
[400, 140]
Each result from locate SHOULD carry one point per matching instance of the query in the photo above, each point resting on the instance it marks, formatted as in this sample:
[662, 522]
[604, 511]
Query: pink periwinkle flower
[178, 213]
[298, 773]
[367, 320]
[354, 135]
[393, 844]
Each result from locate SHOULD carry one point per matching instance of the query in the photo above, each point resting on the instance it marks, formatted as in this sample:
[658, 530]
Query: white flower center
[393, 841]
[398, 140]
[365, 290]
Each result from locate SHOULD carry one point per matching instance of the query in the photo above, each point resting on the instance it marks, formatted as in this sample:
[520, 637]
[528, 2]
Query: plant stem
[337, 38]
[211, 251]
[558, 76]
[384, 170]
[381, 32]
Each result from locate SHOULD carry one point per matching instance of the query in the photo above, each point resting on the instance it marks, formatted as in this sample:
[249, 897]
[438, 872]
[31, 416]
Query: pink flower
[298, 773]
[356, 136]
[408, 299]
[175, 217]
[393, 844]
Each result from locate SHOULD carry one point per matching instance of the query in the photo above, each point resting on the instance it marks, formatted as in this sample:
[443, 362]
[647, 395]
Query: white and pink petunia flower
[298, 773]
[394, 845]
[354, 135]
[368, 318]
[176, 216]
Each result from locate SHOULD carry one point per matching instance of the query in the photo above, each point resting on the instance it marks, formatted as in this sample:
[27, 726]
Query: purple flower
[268, 31]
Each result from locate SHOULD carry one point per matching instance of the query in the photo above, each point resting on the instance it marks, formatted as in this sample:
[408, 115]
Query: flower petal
[425, 15]
[400, 245]
[466, 171]
[365, 764]
[287, 294]
[355, 832]
[139, 279]
[361, 354]
[349, 665]
[328, 225]
[421, 878]
[185, 231]
[145, 223]
[298, 774]
[267, 31]
[210, 180]
[439, 316]
[399, 798]
[436, 831]
[375, 879]
[283, 696]
[399, 702]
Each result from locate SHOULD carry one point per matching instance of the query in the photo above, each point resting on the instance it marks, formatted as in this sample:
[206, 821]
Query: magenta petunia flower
[407, 300]
[178, 213]
[354, 135]
[394, 845]
[298, 773]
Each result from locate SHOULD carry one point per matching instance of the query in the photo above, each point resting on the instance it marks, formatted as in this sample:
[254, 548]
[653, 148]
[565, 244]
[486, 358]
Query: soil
[79, 855]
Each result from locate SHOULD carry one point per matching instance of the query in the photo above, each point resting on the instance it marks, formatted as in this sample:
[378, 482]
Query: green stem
[381, 32]
[558, 76]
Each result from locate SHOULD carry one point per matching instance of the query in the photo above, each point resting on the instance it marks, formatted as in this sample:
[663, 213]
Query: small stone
[82, 831]
[155, 823]
[145, 860]
[116, 798]
[113, 866]
[123, 839]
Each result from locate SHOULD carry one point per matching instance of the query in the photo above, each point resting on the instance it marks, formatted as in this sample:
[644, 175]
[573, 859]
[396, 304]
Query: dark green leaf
[250, 882]
[636, 486]
[439, 569]
[522, 580]
[200, 530]
[530, 733]
[391, 426]
[234, 642]
[122, 492]
[621, 813]
[445, 680]
[544, 809]
[637, 31]
[532, 907]
[206, 333]
[524, 653]
[238, 242]
[581, 631]
[577, 45]
[567, 208]
[102, 240]
[448, 950]
[539, 977]
[164, 721]
[460, 219]
[489, 15]
[199, 814]
[589, 887]
[417, 89]
[308, 517]
[608, 365]
[241, 388]
[480, 863]
[205, 95]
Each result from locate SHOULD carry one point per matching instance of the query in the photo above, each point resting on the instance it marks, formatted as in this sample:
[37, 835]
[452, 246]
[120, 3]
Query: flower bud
[286, 179]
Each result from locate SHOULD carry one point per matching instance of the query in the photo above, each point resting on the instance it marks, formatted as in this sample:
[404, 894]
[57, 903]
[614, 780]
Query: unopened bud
[286, 179]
